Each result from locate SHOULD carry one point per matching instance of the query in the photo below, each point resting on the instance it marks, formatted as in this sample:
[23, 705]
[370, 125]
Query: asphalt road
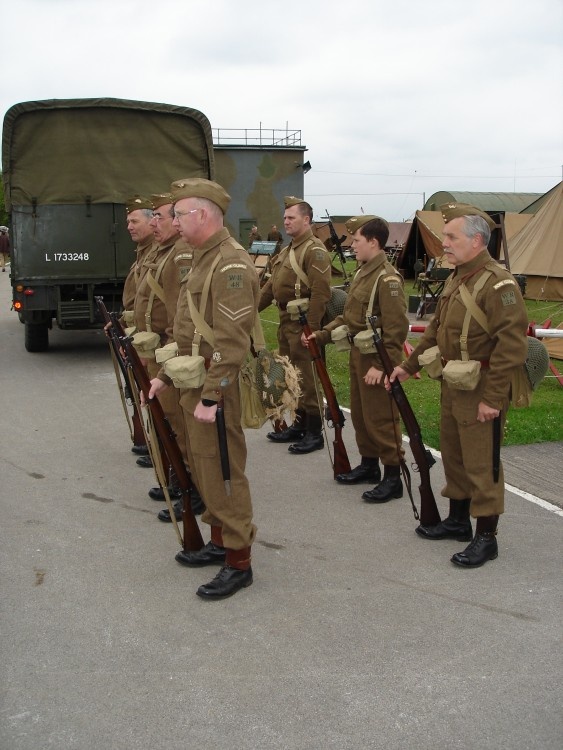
[355, 634]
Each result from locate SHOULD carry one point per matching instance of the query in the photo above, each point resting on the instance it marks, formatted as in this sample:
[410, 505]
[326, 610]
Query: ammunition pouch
[364, 342]
[166, 352]
[294, 305]
[432, 362]
[128, 317]
[341, 338]
[463, 375]
[187, 371]
[145, 343]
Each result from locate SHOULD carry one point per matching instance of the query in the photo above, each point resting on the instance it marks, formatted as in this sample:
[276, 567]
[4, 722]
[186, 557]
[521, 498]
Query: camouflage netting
[537, 362]
[335, 305]
[277, 380]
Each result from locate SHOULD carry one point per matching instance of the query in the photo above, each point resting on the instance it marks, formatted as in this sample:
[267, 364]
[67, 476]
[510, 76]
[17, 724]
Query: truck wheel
[36, 337]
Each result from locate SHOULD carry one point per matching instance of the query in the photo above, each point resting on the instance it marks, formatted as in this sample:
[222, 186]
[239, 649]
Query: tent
[536, 251]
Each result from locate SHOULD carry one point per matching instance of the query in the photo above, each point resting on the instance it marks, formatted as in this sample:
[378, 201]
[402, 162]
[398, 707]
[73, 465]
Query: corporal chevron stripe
[235, 314]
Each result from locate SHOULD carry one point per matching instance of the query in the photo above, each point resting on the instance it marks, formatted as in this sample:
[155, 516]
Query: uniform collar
[300, 239]
[473, 264]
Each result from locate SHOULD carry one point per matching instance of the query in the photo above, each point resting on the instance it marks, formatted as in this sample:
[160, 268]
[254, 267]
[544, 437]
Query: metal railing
[279, 137]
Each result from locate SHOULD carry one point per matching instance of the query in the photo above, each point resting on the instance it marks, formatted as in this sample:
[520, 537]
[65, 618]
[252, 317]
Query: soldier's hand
[373, 376]
[486, 413]
[397, 374]
[157, 386]
[305, 339]
[205, 413]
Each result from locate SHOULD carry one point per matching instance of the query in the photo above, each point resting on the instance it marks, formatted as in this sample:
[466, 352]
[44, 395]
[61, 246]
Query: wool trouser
[231, 513]
[467, 451]
[169, 399]
[374, 415]
[289, 340]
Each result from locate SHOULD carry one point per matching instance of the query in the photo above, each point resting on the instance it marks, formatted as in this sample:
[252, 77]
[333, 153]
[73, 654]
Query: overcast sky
[395, 99]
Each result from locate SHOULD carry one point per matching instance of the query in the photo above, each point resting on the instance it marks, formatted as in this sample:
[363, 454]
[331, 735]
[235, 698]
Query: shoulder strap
[473, 311]
[156, 289]
[372, 297]
[298, 269]
[203, 329]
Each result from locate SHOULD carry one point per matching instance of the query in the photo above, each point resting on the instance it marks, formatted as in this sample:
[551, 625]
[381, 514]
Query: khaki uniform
[177, 256]
[134, 275]
[467, 444]
[230, 312]
[312, 257]
[374, 414]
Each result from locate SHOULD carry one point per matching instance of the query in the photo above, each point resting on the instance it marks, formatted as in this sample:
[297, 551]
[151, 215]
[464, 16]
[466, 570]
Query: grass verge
[541, 422]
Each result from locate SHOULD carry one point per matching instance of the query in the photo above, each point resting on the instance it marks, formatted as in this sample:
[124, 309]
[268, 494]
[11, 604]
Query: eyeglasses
[177, 214]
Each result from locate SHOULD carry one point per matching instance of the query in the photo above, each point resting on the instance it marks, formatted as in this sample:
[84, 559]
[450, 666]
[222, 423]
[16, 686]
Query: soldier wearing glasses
[223, 267]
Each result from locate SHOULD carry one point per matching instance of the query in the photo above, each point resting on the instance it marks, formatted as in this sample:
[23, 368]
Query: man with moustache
[481, 317]
[221, 293]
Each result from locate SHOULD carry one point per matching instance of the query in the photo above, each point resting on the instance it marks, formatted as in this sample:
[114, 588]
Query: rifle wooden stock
[341, 464]
[138, 434]
[429, 515]
[192, 535]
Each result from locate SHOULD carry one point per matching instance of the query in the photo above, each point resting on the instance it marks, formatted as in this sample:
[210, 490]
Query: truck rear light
[29, 292]
[19, 288]
[18, 305]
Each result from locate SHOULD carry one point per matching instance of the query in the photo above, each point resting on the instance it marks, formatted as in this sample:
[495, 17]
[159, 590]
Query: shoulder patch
[391, 277]
[504, 282]
[232, 265]
[508, 297]
[183, 256]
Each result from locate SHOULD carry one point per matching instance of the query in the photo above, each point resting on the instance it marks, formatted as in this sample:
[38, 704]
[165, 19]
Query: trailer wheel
[36, 337]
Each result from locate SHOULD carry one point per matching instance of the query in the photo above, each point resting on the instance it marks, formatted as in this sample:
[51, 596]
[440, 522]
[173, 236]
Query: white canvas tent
[536, 251]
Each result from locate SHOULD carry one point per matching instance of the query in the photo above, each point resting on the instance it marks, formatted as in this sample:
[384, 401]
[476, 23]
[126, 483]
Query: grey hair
[211, 208]
[477, 225]
[147, 212]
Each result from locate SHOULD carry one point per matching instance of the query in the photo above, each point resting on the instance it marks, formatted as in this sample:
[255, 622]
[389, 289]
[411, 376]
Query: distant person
[254, 236]
[274, 235]
[4, 248]
[480, 318]
[377, 289]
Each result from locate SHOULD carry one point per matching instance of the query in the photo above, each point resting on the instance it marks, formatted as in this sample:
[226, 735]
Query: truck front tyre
[36, 337]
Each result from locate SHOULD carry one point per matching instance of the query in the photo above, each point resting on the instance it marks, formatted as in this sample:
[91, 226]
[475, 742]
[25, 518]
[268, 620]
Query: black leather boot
[236, 574]
[198, 507]
[211, 554]
[157, 493]
[484, 546]
[144, 461]
[140, 450]
[389, 488]
[456, 526]
[292, 433]
[367, 471]
[312, 440]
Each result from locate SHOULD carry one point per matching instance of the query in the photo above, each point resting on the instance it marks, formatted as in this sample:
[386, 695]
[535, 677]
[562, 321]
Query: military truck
[69, 165]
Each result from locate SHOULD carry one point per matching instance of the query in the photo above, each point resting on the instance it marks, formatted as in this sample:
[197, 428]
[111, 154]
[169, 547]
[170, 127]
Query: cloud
[387, 95]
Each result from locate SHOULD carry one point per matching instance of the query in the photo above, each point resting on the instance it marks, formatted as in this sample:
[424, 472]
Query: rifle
[429, 515]
[340, 464]
[192, 536]
[135, 421]
[337, 245]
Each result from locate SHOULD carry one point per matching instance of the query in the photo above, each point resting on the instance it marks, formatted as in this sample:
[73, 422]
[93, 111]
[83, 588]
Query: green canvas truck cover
[76, 151]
